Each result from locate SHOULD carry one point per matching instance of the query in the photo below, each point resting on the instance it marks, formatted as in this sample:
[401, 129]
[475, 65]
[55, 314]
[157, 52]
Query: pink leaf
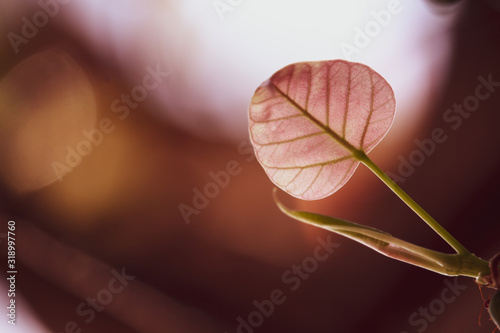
[311, 122]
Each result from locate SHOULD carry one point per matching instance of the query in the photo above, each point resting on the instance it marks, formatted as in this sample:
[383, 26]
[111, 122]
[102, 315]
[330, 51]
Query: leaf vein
[292, 140]
[346, 110]
[313, 181]
[372, 97]
[276, 119]
[340, 159]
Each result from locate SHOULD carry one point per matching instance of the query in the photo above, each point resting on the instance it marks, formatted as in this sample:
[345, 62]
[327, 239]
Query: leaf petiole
[459, 248]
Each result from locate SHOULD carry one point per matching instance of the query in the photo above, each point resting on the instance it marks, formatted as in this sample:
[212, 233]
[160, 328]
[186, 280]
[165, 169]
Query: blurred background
[139, 206]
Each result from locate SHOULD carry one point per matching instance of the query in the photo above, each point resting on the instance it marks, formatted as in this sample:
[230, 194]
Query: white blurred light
[216, 64]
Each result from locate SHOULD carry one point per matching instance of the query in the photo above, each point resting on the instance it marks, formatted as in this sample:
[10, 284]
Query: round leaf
[311, 122]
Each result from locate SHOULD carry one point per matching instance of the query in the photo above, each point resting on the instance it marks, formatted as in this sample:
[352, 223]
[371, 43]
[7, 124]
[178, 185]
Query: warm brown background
[119, 208]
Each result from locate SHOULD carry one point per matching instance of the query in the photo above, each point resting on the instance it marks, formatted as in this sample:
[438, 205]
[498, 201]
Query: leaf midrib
[356, 153]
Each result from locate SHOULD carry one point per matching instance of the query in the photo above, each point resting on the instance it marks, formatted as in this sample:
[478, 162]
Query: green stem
[466, 264]
[459, 248]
